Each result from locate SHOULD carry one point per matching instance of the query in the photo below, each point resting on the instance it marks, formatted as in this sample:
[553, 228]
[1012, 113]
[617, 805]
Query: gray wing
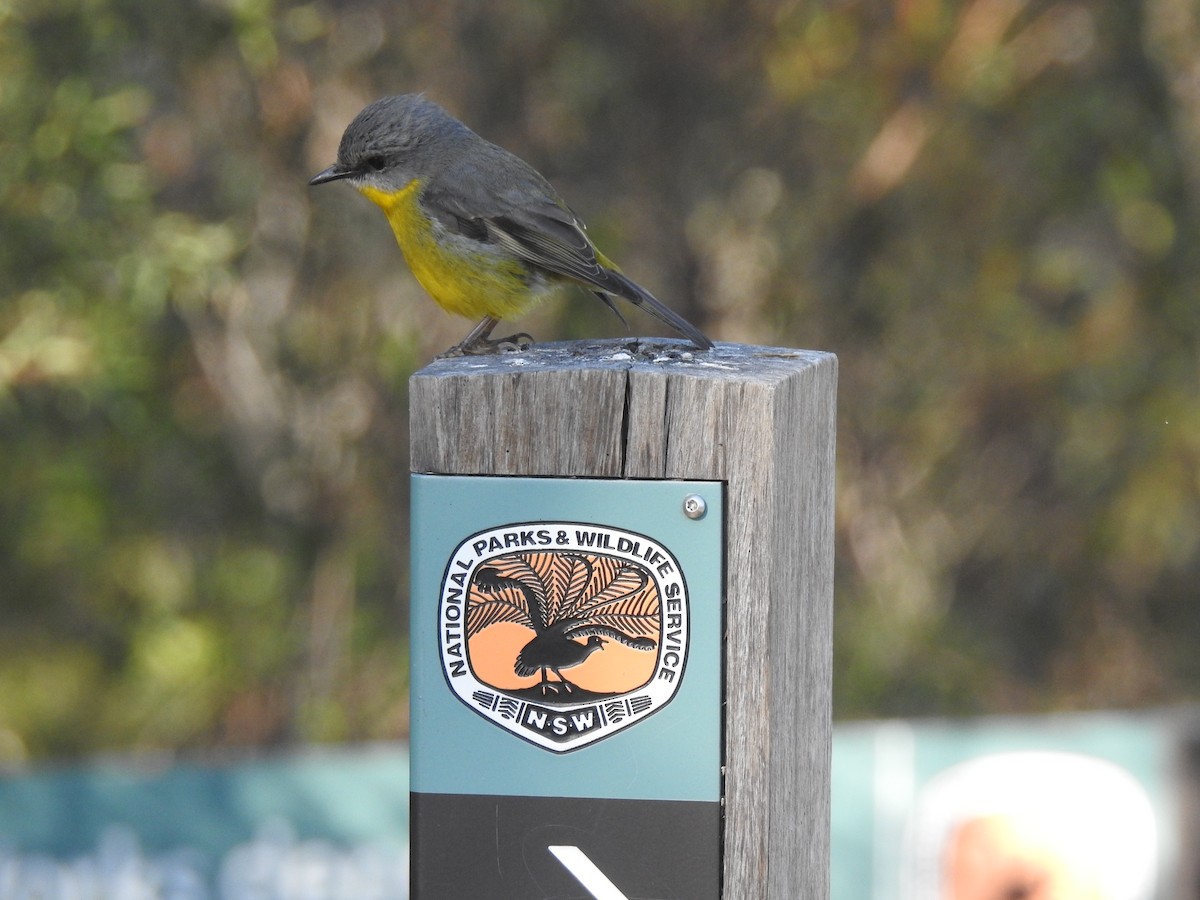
[494, 196]
[515, 207]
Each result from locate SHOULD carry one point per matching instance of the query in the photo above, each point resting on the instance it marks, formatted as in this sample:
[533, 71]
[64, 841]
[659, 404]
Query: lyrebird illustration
[563, 598]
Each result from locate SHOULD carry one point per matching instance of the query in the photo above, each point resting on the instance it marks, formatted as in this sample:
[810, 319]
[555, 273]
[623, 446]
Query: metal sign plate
[566, 687]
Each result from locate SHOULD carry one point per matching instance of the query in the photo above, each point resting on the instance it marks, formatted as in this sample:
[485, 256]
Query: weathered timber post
[621, 622]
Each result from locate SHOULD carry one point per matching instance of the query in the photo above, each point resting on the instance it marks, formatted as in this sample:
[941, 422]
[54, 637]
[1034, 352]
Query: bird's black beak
[333, 173]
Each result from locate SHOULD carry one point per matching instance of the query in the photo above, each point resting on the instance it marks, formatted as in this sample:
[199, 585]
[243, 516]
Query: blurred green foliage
[987, 208]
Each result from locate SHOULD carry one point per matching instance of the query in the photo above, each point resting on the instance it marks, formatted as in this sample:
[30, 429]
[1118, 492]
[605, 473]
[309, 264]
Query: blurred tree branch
[985, 207]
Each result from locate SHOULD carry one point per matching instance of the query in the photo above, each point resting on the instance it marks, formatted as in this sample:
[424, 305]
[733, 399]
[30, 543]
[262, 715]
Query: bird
[483, 232]
[555, 646]
[552, 651]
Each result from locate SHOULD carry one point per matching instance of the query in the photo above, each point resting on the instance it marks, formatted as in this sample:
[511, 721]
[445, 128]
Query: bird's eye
[376, 163]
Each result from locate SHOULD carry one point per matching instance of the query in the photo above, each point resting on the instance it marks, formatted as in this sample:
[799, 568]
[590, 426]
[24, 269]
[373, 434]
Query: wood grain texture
[760, 419]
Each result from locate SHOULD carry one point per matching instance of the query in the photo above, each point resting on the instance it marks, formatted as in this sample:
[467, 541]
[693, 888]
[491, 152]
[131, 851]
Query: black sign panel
[501, 848]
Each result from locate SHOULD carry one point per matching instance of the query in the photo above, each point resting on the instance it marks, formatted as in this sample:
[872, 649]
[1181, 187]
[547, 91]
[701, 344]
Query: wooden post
[762, 421]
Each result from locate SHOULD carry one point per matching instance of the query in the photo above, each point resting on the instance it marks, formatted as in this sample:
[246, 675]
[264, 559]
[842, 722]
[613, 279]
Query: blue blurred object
[321, 826]
[1104, 793]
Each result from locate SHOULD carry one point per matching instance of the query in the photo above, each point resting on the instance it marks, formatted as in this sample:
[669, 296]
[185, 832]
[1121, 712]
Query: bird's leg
[478, 335]
[567, 686]
[547, 686]
[477, 342]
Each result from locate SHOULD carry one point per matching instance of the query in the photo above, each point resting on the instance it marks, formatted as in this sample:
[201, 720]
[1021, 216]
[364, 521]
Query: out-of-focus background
[988, 209]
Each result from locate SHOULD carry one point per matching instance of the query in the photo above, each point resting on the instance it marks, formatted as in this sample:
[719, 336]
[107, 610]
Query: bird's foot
[514, 343]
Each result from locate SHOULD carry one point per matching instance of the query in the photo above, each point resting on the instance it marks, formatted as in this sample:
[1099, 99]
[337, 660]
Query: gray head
[392, 141]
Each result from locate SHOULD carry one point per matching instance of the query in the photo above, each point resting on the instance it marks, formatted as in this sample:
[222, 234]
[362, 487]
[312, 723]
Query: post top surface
[667, 356]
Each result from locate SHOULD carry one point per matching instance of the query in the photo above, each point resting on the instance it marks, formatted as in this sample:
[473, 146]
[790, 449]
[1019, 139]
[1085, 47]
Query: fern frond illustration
[574, 603]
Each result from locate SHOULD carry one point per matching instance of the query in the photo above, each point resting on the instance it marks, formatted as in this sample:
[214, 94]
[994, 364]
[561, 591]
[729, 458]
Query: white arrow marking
[596, 882]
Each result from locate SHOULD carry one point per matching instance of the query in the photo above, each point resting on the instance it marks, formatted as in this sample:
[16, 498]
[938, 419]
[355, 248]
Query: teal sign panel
[567, 675]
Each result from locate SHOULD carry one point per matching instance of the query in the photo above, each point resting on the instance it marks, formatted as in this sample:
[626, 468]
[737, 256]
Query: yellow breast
[462, 278]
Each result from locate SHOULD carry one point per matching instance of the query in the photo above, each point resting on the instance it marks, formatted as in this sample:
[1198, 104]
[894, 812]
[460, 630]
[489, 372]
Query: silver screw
[694, 506]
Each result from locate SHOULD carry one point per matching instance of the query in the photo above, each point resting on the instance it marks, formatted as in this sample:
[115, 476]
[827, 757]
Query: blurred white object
[1032, 825]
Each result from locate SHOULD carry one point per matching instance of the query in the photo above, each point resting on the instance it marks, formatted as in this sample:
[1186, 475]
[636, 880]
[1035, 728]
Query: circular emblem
[563, 633]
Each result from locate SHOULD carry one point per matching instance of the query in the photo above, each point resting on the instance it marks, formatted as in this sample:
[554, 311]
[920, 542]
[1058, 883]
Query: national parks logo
[563, 633]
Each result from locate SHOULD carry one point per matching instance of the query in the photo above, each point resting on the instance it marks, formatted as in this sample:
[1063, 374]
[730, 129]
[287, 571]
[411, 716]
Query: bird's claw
[514, 343]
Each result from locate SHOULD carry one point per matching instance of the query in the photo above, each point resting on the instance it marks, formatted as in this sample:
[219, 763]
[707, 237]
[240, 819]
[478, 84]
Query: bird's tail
[618, 284]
